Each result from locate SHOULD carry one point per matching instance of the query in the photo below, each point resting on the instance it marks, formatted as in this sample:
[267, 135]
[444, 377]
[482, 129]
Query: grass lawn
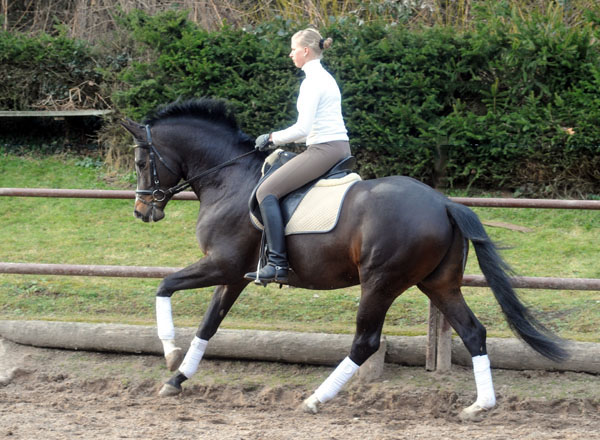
[562, 243]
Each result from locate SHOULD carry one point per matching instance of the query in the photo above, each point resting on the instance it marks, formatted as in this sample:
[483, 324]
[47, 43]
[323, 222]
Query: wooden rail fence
[439, 346]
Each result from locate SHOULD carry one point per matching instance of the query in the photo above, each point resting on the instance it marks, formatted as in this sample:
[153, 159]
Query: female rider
[321, 126]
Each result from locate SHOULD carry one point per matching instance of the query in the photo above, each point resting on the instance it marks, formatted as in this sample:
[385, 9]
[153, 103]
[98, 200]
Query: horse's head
[154, 174]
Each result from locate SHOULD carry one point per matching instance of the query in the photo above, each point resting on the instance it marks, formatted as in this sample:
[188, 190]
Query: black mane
[213, 110]
[208, 109]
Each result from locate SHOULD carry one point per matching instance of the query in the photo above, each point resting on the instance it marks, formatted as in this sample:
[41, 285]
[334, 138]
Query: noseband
[158, 194]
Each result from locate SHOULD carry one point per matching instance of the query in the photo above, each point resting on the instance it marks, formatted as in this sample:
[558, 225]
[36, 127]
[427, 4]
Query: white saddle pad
[319, 210]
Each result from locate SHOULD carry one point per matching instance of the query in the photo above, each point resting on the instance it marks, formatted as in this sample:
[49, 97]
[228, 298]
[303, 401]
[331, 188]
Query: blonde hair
[312, 38]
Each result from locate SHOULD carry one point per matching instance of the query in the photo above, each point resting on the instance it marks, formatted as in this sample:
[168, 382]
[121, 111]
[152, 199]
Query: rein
[159, 194]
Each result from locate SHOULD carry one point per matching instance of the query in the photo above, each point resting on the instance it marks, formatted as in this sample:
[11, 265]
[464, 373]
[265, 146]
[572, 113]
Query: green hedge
[495, 105]
[45, 71]
[248, 69]
[513, 103]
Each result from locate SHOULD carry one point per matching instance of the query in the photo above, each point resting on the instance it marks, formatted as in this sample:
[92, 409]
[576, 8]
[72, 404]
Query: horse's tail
[495, 270]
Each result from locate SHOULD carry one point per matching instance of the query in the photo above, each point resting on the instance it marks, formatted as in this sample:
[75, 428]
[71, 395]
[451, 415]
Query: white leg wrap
[168, 345]
[336, 380]
[486, 398]
[164, 318]
[192, 359]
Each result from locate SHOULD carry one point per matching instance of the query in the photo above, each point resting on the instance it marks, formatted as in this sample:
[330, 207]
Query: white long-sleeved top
[319, 110]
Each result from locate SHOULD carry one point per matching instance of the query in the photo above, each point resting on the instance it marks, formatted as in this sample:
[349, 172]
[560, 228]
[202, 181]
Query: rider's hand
[263, 143]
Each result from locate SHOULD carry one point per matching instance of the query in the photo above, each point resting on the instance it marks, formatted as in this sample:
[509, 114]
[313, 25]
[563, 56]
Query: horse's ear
[137, 130]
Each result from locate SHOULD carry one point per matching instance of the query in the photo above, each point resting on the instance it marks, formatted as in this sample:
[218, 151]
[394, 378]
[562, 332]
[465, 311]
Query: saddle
[291, 201]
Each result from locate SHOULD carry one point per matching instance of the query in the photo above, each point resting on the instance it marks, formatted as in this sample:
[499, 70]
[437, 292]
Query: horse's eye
[141, 164]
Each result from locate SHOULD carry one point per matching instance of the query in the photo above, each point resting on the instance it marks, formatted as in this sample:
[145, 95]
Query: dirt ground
[56, 394]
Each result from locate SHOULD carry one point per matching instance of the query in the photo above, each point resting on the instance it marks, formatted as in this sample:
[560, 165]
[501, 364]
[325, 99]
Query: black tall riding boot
[277, 267]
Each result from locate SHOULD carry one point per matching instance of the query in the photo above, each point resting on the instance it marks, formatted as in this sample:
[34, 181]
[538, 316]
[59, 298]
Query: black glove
[263, 143]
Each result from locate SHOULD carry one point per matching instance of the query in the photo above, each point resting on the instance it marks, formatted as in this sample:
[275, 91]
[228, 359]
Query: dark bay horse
[393, 233]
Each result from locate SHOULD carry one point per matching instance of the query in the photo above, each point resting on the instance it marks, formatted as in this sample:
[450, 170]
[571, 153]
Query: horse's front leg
[209, 271]
[222, 301]
[200, 274]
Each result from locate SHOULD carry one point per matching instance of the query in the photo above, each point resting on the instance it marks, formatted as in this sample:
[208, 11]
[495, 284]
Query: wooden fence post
[439, 342]
[444, 345]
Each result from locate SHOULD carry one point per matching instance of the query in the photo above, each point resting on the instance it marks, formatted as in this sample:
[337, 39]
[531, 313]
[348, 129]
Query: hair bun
[326, 43]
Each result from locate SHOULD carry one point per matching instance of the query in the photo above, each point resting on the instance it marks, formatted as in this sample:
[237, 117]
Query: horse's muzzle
[154, 215]
[148, 212]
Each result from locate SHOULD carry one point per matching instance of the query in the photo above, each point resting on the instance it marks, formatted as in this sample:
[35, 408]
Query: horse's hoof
[310, 405]
[169, 390]
[473, 413]
[12, 374]
[174, 359]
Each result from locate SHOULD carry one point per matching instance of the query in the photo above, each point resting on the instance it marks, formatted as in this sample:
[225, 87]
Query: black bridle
[158, 194]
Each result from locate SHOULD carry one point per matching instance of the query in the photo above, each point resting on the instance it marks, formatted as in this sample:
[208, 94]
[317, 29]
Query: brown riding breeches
[308, 165]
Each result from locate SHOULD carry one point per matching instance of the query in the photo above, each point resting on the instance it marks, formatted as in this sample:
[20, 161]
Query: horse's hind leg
[369, 323]
[447, 297]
